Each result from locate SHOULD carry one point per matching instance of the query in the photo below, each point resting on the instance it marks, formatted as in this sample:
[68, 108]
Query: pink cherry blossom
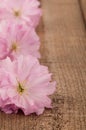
[18, 39]
[25, 85]
[20, 11]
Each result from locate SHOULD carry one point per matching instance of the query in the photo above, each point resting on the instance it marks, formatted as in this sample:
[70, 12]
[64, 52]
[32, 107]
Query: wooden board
[63, 48]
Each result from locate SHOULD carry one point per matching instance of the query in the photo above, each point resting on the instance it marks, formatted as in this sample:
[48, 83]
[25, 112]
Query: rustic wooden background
[63, 37]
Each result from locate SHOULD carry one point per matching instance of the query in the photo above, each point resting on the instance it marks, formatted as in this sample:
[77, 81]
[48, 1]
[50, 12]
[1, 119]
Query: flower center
[14, 47]
[17, 13]
[20, 88]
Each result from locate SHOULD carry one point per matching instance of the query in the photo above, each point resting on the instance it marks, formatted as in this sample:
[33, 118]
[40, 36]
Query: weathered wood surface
[63, 37]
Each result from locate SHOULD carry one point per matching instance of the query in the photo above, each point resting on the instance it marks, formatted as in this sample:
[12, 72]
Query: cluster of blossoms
[24, 83]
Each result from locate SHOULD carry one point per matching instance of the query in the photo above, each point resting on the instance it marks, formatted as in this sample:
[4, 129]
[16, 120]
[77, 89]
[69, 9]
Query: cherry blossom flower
[25, 85]
[21, 11]
[16, 40]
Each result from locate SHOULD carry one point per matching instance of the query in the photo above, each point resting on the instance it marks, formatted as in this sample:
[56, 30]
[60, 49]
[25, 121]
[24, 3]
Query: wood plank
[63, 50]
[64, 46]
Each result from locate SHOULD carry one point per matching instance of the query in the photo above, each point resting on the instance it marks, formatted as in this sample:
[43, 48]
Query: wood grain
[63, 48]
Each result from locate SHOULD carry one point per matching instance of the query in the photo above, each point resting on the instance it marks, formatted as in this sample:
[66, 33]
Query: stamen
[14, 47]
[20, 88]
[17, 13]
